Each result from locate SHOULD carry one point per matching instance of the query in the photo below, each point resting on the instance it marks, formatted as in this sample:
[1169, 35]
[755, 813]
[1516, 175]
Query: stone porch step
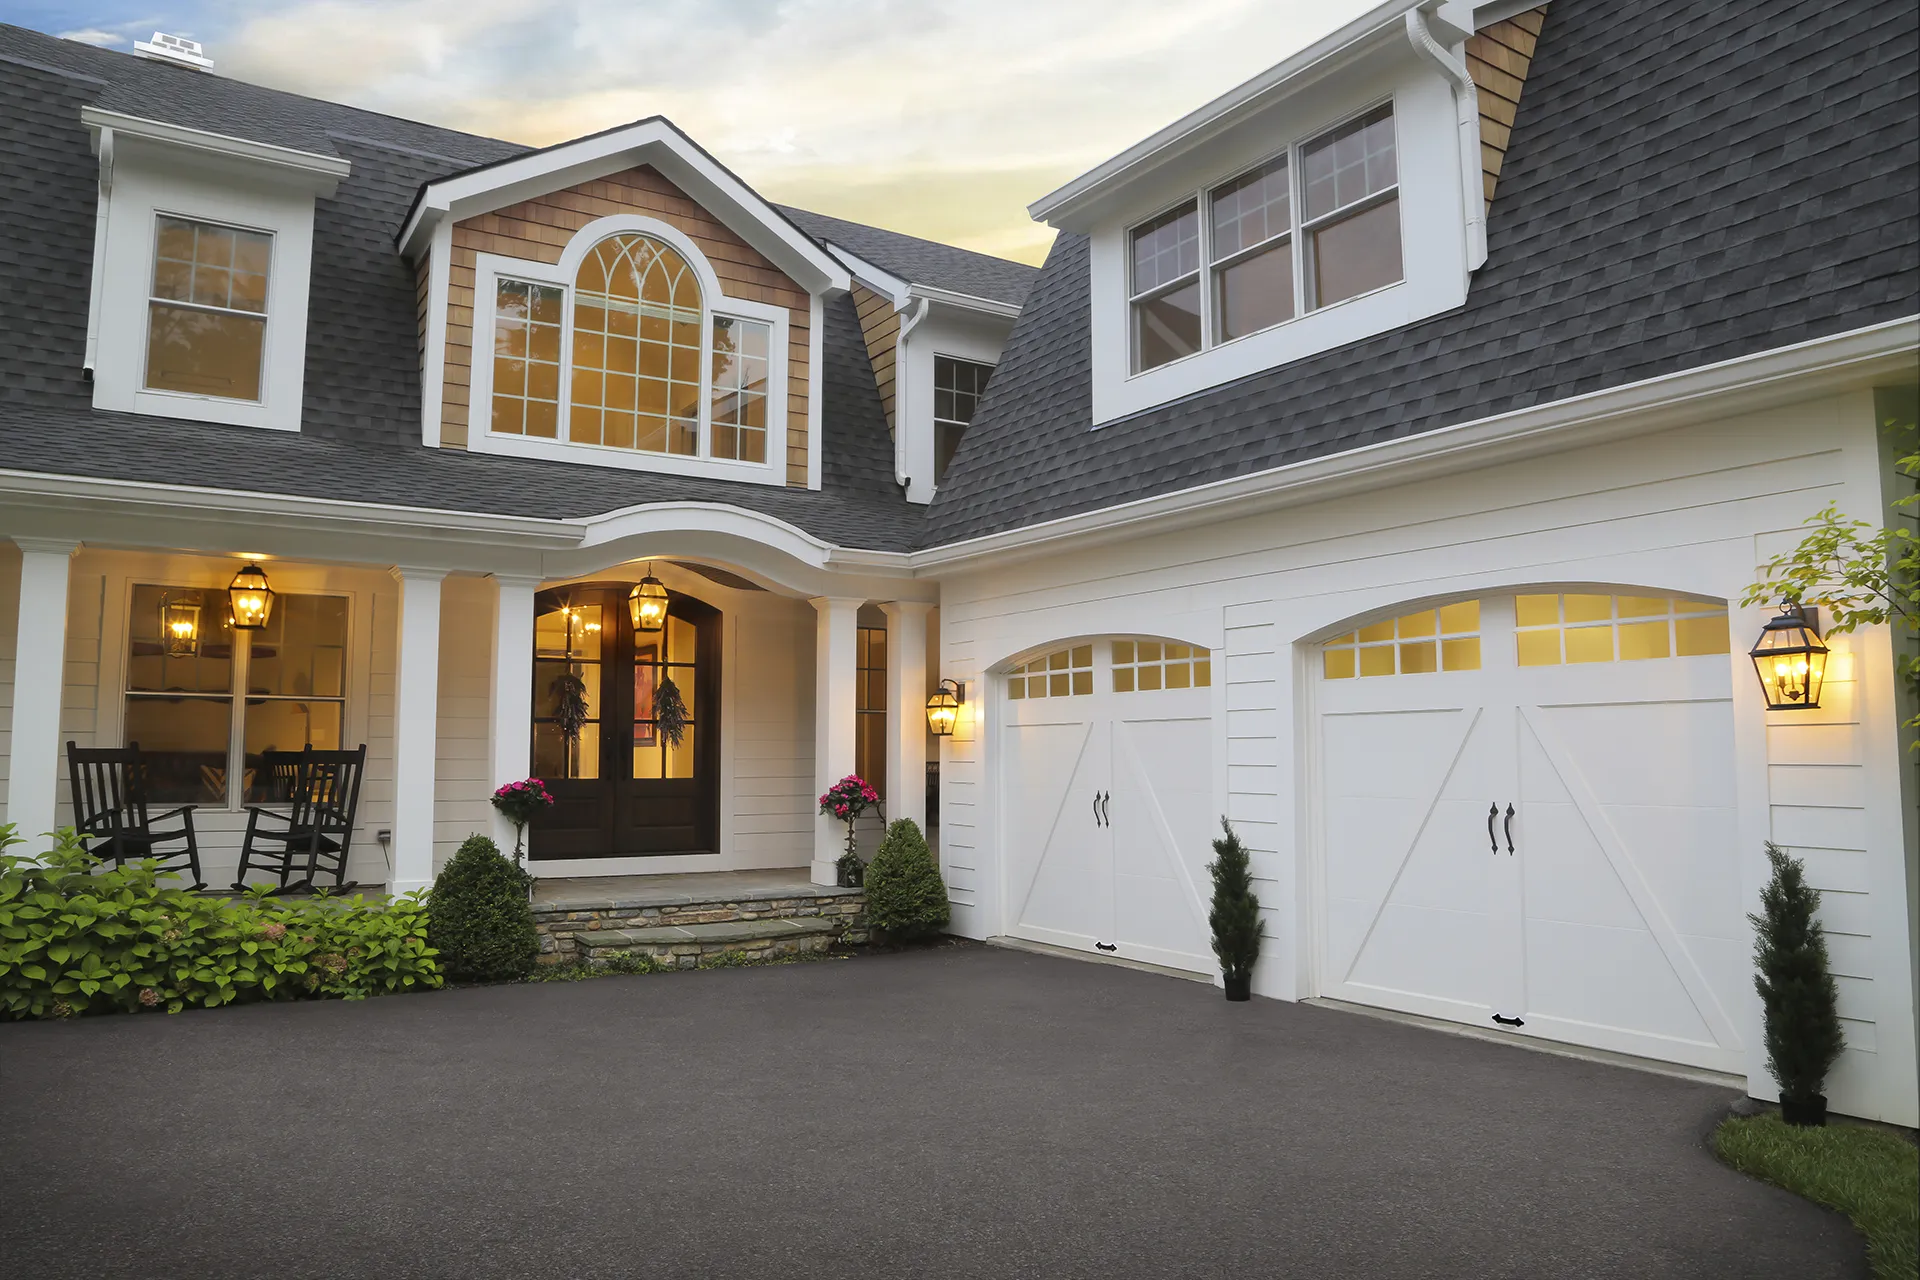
[686, 945]
[572, 915]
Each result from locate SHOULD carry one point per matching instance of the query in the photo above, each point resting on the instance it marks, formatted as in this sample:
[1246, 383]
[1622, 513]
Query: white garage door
[1107, 773]
[1529, 821]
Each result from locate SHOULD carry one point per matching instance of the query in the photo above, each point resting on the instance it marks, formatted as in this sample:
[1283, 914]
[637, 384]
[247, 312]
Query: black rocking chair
[109, 786]
[314, 835]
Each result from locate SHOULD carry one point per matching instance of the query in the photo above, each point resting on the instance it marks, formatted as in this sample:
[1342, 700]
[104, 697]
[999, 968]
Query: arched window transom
[636, 348]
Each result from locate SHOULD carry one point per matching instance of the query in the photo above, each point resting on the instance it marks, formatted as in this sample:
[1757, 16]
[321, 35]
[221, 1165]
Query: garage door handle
[1106, 814]
[1509, 826]
[1509, 1022]
[1105, 946]
[1097, 821]
[1493, 811]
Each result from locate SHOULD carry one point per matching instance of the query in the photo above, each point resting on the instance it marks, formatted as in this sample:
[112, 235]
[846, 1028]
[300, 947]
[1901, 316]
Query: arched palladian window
[654, 367]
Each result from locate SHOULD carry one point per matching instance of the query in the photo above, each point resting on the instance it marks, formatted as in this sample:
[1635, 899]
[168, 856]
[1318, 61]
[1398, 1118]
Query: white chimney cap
[174, 49]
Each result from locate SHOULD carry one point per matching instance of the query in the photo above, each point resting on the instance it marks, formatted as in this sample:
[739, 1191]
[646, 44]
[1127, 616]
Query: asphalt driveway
[957, 1113]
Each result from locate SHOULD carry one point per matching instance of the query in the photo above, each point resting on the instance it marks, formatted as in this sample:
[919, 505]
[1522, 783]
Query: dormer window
[627, 347]
[1273, 251]
[207, 314]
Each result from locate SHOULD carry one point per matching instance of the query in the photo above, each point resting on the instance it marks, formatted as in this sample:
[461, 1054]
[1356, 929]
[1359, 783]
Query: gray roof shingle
[1688, 181]
[918, 261]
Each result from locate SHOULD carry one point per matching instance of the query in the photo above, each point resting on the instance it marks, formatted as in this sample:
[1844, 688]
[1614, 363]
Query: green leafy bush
[1234, 916]
[1798, 997]
[906, 897]
[480, 920]
[78, 936]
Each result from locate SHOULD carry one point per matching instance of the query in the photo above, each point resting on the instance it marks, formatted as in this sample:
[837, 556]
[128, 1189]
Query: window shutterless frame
[264, 316]
[1139, 295]
[1297, 237]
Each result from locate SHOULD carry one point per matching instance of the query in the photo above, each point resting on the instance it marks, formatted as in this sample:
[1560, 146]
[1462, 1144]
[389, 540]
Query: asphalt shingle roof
[920, 261]
[1688, 181]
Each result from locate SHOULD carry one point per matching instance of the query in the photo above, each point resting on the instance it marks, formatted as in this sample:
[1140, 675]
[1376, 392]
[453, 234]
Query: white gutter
[901, 379]
[1466, 115]
[103, 143]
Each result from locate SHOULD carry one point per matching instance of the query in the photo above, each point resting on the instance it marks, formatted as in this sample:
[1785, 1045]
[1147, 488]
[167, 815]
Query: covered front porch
[795, 673]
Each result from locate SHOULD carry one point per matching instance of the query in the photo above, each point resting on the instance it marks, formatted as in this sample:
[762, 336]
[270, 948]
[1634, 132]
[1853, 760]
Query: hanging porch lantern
[648, 603]
[180, 624]
[250, 598]
[1790, 659]
[943, 708]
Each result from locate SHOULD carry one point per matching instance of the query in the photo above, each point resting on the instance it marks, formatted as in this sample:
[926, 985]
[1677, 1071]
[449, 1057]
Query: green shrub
[1798, 997]
[1234, 916]
[906, 898]
[479, 918]
[78, 936]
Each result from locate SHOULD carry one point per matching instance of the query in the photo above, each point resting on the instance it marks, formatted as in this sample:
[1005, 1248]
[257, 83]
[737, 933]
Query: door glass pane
[547, 687]
[679, 760]
[555, 757]
[184, 741]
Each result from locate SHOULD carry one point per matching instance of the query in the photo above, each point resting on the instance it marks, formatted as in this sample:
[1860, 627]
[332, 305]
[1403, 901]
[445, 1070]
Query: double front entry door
[622, 786]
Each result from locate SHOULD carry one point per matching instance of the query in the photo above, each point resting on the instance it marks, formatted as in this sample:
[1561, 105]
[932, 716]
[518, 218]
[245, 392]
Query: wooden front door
[622, 789]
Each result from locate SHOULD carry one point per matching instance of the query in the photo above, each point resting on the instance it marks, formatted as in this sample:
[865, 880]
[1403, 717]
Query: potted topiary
[520, 803]
[1235, 914]
[478, 916]
[1798, 996]
[846, 800]
[906, 898]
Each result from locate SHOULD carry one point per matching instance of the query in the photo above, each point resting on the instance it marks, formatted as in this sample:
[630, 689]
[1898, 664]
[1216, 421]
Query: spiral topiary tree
[478, 916]
[1235, 914]
[1798, 996]
[906, 898]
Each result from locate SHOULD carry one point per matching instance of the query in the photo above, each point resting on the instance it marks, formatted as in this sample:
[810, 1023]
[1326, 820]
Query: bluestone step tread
[722, 931]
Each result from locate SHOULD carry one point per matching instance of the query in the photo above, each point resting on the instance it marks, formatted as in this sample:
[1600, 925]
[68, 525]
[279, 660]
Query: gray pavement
[967, 1112]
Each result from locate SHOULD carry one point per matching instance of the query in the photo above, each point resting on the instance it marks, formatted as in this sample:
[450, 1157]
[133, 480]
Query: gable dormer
[622, 300]
[202, 254]
[1339, 195]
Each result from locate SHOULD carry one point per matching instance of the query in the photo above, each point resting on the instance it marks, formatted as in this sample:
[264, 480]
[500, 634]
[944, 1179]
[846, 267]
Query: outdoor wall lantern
[648, 603]
[943, 708]
[250, 598]
[180, 625]
[1790, 660]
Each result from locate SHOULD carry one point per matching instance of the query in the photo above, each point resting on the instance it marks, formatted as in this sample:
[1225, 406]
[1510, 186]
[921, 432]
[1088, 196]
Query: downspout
[900, 381]
[99, 252]
[1466, 114]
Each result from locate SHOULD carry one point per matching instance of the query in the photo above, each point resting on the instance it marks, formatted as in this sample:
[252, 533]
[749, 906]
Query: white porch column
[907, 710]
[39, 673]
[510, 695]
[416, 729]
[836, 657]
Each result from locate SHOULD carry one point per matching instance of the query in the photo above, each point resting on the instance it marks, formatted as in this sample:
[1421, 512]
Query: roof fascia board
[903, 292]
[965, 302]
[1778, 376]
[650, 142]
[321, 172]
[872, 276]
[1067, 206]
[1485, 15]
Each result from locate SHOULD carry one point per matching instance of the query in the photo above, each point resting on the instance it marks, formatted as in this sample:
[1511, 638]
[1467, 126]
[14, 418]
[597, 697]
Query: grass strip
[1870, 1175]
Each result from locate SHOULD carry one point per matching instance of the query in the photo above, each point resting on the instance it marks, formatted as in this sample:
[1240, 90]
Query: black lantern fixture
[943, 708]
[1790, 659]
[648, 603]
[180, 624]
[250, 598]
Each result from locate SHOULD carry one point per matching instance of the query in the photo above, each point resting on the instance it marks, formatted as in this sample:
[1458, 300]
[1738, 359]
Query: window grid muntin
[1147, 666]
[599, 382]
[1630, 628]
[1439, 638]
[1296, 242]
[235, 794]
[1063, 673]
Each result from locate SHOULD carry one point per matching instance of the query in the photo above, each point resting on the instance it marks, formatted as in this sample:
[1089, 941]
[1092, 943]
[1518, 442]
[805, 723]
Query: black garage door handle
[1493, 811]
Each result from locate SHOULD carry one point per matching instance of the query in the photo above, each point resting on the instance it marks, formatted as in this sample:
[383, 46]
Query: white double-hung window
[628, 352]
[207, 310]
[1315, 225]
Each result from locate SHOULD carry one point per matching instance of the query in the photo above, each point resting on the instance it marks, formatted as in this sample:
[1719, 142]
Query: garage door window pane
[1594, 628]
[1143, 666]
[1065, 673]
[1416, 643]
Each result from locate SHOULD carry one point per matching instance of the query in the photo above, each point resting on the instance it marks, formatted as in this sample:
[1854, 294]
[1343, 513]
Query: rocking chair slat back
[109, 791]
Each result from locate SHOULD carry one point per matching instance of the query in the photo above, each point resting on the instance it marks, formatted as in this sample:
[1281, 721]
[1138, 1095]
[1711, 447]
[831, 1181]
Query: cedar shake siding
[539, 229]
[880, 325]
[1497, 59]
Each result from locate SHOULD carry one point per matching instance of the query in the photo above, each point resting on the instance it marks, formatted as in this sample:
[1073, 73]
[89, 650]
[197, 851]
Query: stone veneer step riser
[560, 927]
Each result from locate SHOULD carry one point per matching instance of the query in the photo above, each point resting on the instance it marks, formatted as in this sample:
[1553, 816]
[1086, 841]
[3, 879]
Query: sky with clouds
[941, 118]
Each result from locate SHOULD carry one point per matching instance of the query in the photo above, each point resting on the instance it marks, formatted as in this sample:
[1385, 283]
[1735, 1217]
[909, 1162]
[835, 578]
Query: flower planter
[1808, 1113]
[1239, 988]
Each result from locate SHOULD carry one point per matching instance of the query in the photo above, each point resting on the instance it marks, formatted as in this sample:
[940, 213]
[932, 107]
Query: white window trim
[1299, 229]
[112, 723]
[490, 268]
[153, 179]
[1434, 267]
